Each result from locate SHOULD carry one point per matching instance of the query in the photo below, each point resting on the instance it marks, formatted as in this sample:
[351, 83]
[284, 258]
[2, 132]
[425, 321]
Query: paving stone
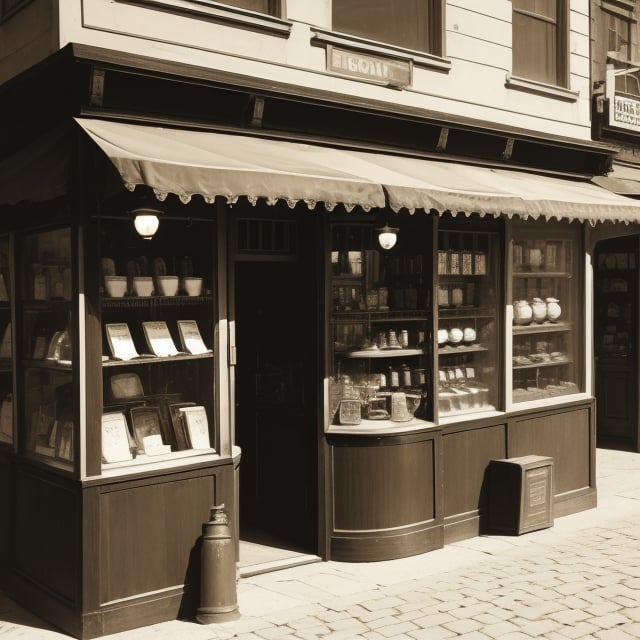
[434, 619]
[579, 630]
[499, 629]
[435, 633]
[609, 620]
[399, 628]
[463, 626]
[536, 628]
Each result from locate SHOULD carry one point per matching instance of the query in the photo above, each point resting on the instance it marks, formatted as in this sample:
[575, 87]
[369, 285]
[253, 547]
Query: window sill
[217, 12]
[323, 37]
[549, 90]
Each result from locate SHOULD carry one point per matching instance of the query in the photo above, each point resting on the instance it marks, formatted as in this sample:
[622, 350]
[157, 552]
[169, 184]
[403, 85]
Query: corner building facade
[340, 391]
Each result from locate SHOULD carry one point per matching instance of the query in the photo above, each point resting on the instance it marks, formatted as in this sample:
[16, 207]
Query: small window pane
[534, 49]
[618, 35]
[403, 22]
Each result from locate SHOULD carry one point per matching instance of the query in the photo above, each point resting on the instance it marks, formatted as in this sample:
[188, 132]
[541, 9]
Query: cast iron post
[218, 599]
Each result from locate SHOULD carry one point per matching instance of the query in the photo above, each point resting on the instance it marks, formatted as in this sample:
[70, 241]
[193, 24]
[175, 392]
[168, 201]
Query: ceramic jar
[522, 312]
[553, 309]
[539, 309]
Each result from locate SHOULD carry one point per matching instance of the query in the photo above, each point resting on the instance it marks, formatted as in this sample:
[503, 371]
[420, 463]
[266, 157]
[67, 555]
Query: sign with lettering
[626, 112]
[378, 69]
[624, 108]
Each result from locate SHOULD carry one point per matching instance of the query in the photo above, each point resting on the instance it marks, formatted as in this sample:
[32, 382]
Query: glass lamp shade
[146, 222]
[387, 237]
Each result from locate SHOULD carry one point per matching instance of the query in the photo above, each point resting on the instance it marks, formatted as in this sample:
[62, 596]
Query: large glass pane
[535, 54]
[379, 319]
[157, 312]
[546, 318]
[467, 295]
[46, 346]
[403, 22]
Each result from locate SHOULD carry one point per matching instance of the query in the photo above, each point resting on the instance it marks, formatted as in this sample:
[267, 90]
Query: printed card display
[197, 426]
[120, 341]
[190, 337]
[146, 422]
[159, 339]
[177, 422]
[115, 438]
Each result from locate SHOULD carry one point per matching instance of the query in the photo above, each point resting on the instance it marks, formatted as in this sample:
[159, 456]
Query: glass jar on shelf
[467, 321]
[378, 322]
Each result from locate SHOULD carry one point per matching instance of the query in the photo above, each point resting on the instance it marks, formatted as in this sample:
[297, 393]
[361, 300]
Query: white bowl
[116, 286]
[192, 285]
[143, 286]
[168, 285]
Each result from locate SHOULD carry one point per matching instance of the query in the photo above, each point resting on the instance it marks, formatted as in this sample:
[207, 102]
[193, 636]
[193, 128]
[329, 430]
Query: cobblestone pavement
[579, 579]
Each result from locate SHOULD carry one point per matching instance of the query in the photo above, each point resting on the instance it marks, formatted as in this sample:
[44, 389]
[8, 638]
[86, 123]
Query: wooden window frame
[562, 43]
[434, 31]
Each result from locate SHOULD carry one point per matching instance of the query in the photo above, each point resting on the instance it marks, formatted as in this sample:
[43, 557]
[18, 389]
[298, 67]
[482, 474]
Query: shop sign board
[379, 69]
[624, 109]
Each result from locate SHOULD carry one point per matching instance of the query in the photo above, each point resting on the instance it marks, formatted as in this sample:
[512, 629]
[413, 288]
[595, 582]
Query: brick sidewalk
[579, 579]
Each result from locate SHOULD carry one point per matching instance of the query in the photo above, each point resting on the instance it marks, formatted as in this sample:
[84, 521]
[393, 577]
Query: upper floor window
[540, 40]
[270, 7]
[411, 24]
[618, 34]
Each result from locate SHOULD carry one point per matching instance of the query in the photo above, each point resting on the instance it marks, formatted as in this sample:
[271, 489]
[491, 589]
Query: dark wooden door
[276, 401]
[616, 316]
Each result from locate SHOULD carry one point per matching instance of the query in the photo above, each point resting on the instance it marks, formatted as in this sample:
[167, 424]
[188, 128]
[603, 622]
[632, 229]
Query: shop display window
[46, 346]
[466, 291]
[546, 359]
[379, 309]
[157, 316]
[616, 281]
[6, 347]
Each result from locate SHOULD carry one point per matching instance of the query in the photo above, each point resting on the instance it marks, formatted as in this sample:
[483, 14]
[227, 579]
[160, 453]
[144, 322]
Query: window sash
[410, 24]
[540, 38]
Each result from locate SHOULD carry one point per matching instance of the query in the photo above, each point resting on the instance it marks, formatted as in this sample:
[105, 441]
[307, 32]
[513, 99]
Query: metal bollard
[218, 598]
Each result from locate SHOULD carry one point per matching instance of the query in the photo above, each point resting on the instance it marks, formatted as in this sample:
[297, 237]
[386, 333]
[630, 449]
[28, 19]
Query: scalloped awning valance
[216, 164]
[188, 162]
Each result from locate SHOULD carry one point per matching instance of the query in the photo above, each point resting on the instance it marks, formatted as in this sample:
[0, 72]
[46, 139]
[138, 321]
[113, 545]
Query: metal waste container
[520, 494]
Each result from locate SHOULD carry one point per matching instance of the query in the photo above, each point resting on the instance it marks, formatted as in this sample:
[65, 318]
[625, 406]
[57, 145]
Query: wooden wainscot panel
[466, 456]
[567, 436]
[384, 498]
[149, 550]
[47, 534]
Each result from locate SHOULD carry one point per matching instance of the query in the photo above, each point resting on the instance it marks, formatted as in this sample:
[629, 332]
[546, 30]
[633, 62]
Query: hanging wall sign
[381, 70]
[624, 107]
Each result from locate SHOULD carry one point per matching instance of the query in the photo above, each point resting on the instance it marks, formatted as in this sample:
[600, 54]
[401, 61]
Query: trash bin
[520, 494]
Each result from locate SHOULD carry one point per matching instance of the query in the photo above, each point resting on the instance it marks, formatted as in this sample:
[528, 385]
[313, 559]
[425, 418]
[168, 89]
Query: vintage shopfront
[340, 396]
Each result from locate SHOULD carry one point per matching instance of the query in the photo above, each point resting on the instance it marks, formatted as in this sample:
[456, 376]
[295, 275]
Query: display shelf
[545, 327]
[146, 302]
[460, 349]
[383, 353]
[542, 274]
[466, 312]
[542, 365]
[151, 359]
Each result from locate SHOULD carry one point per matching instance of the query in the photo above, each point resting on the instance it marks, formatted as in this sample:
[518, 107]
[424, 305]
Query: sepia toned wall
[471, 80]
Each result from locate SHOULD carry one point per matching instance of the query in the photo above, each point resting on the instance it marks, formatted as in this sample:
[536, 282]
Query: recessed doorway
[276, 393]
